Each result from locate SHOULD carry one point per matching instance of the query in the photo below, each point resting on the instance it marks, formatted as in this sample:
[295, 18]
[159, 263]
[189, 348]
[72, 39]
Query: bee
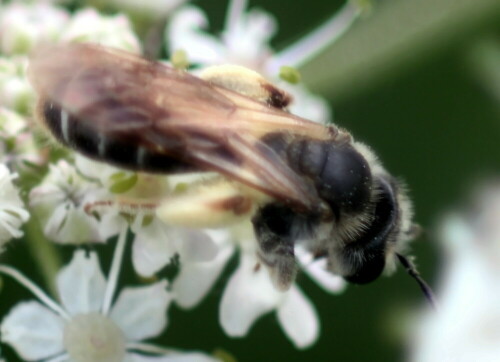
[302, 181]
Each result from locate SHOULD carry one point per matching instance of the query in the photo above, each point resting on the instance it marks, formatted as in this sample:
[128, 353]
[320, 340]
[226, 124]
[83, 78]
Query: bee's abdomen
[119, 150]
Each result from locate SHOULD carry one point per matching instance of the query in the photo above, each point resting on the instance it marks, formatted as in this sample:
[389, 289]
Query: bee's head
[373, 215]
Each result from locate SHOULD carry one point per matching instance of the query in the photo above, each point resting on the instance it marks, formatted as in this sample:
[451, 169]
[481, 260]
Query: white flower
[197, 275]
[11, 123]
[17, 142]
[15, 91]
[86, 327]
[156, 244]
[245, 41]
[12, 211]
[59, 203]
[88, 25]
[466, 326]
[249, 294]
[22, 26]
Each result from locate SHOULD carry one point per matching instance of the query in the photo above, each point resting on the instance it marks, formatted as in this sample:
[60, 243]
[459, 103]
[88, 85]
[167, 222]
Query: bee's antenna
[412, 270]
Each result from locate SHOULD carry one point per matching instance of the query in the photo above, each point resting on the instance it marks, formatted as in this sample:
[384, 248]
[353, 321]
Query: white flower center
[94, 337]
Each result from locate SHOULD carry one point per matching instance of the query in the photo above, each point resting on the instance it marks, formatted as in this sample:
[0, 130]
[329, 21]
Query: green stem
[35, 289]
[44, 253]
[114, 272]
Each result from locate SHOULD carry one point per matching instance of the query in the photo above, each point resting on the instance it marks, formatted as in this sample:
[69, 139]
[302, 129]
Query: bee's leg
[209, 204]
[273, 229]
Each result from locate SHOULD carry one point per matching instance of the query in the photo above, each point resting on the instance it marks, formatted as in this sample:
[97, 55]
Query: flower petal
[82, 284]
[16, 95]
[186, 33]
[325, 279]
[59, 203]
[298, 318]
[72, 226]
[12, 212]
[141, 312]
[248, 42]
[308, 105]
[153, 248]
[197, 245]
[196, 278]
[111, 223]
[248, 295]
[94, 169]
[33, 330]
[318, 271]
[88, 25]
[22, 26]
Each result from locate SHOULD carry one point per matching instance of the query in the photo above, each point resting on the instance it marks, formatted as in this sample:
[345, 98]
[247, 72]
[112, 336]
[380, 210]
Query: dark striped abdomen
[113, 149]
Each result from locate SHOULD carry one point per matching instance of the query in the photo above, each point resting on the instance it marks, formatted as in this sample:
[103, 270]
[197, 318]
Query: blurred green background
[418, 81]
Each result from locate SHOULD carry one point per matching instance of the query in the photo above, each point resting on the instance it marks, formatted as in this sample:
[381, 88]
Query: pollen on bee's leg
[248, 83]
[214, 204]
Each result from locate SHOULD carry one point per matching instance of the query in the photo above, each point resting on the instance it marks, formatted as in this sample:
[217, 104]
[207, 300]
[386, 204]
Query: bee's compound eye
[365, 256]
[368, 271]
[346, 180]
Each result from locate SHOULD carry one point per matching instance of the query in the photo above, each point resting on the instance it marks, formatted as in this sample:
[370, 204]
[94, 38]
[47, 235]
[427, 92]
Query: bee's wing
[174, 113]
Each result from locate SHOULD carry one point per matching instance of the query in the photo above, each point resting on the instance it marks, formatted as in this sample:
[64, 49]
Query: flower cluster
[12, 211]
[78, 202]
